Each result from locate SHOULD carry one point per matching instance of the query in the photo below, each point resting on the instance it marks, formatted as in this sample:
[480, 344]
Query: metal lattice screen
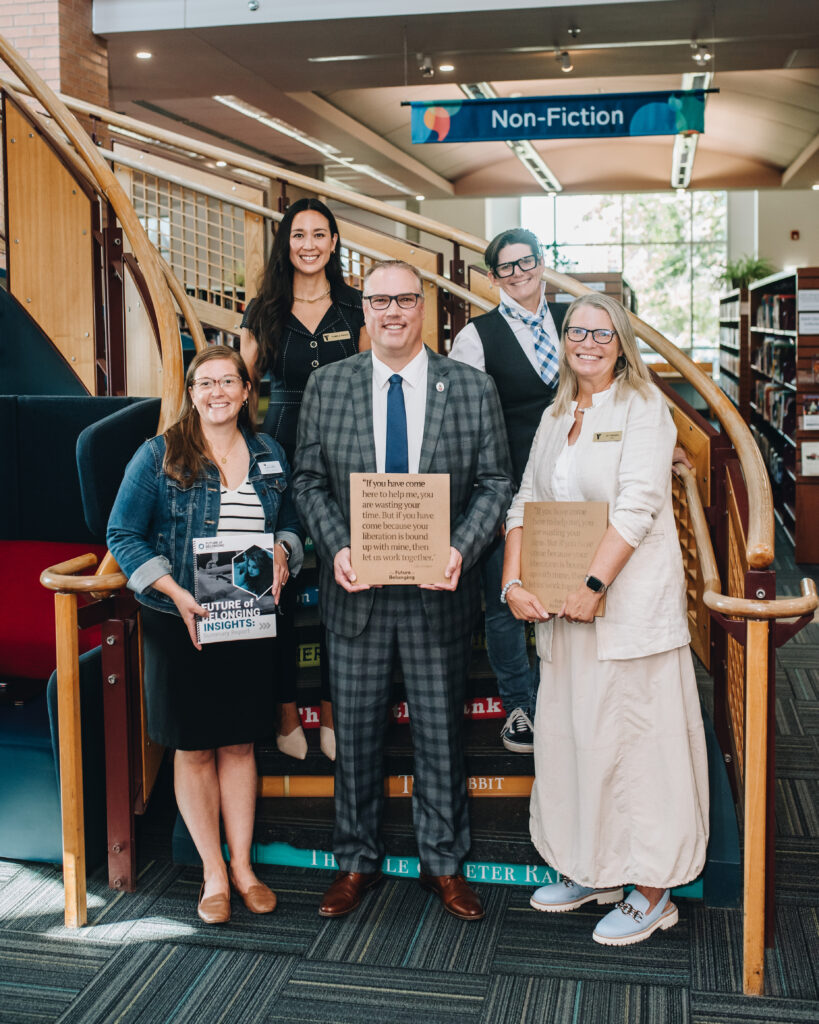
[202, 238]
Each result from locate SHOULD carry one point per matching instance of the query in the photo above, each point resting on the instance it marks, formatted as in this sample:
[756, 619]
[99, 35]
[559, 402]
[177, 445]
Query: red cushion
[27, 644]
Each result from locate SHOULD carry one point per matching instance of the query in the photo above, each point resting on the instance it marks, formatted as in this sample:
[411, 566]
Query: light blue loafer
[568, 895]
[630, 921]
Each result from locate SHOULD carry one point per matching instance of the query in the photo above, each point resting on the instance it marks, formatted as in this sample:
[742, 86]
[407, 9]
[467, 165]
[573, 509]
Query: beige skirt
[621, 773]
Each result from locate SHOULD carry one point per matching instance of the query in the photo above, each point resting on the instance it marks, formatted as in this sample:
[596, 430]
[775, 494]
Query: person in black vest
[516, 344]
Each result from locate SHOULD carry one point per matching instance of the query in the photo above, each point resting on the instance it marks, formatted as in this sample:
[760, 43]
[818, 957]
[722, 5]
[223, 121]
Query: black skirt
[199, 700]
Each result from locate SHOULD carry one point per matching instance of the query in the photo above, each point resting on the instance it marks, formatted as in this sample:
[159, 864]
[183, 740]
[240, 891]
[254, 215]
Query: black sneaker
[517, 733]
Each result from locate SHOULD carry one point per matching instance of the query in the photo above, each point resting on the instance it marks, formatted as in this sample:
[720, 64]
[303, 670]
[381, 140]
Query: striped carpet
[145, 958]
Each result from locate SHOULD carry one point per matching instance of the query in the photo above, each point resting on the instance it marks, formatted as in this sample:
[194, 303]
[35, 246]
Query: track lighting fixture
[700, 53]
[565, 61]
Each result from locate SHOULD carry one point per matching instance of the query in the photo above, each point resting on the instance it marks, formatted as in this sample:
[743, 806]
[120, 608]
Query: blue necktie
[397, 459]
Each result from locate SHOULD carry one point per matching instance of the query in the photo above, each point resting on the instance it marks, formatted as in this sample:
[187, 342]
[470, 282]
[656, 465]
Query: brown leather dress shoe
[346, 891]
[215, 909]
[259, 899]
[455, 894]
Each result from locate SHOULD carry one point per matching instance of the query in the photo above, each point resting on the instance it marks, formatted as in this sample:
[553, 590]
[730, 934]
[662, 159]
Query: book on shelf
[233, 579]
[810, 458]
[810, 413]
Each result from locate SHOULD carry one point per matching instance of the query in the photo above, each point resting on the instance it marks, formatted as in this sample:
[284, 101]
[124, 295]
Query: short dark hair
[514, 236]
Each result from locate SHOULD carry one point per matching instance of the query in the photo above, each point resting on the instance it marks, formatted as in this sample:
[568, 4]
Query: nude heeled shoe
[327, 742]
[293, 744]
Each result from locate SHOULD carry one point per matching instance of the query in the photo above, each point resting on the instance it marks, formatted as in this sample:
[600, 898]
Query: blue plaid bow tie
[544, 346]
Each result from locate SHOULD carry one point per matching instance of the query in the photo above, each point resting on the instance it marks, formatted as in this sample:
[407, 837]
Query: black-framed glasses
[602, 335]
[226, 383]
[525, 263]
[406, 300]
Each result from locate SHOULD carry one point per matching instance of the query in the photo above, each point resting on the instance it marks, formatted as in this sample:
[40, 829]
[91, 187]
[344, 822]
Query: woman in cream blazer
[621, 781]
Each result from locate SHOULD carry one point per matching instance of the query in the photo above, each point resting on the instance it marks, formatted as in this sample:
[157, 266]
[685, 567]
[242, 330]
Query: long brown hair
[185, 452]
[271, 308]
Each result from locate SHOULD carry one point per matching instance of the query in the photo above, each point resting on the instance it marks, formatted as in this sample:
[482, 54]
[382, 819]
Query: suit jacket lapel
[437, 374]
[361, 404]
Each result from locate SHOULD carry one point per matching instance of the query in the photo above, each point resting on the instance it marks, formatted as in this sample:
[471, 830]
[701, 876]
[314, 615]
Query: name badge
[337, 336]
[608, 435]
[269, 468]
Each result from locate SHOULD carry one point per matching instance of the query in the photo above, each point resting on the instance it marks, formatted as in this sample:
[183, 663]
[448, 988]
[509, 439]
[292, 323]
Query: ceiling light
[143, 55]
[523, 150]
[700, 53]
[326, 150]
[565, 61]
[420, 198]
[446, 67]
[221, 163]
[682, 161]
[815, 186]
[425, 65]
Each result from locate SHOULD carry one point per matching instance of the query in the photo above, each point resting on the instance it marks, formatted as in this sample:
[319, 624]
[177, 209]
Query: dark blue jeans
[506, 638]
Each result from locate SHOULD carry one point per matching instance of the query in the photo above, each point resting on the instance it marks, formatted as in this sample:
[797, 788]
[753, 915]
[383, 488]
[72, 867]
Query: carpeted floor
[146, 958]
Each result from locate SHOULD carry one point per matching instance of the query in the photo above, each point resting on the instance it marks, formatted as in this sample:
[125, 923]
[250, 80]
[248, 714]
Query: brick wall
[55, 37]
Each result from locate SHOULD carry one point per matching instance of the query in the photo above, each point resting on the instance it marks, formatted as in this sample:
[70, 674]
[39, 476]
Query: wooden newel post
[71, 791]
[756, 748]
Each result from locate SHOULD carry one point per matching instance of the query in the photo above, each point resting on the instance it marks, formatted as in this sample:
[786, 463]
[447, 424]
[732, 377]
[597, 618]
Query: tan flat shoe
[259, 899]
[215, 909]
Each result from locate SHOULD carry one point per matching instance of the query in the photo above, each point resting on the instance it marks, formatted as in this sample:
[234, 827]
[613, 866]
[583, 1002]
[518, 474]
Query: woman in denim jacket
[209, 474]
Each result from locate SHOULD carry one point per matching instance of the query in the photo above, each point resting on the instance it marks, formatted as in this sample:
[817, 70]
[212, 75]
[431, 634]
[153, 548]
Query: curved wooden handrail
[65, 579]
[760, 539]
[107, 184]
[735, 607]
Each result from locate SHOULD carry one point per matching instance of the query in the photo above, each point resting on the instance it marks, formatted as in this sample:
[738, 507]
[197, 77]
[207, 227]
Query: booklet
[233, 579]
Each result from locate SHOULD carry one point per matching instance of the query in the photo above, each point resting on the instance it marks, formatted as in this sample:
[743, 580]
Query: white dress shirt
[467, 347]
[414, 376]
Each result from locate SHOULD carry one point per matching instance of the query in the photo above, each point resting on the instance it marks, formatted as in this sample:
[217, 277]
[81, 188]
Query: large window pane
[710, 217]
[588, 220]
[656, 217]
[586, 259]
[538, 215]
[660, 275]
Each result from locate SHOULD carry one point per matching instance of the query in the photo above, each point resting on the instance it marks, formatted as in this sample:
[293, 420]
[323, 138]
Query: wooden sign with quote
[559, 542]
[399, 527]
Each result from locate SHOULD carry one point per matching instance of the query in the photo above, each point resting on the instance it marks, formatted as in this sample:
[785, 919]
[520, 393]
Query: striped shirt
[240, 511]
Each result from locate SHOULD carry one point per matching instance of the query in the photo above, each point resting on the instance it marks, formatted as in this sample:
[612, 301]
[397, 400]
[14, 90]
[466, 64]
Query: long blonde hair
[185, 450]
[629, 370]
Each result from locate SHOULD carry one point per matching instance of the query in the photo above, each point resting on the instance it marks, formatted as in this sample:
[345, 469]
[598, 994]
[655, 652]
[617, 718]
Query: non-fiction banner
[560, 117]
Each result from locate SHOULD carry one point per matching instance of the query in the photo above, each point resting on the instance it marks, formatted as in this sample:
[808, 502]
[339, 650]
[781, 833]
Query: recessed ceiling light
[446, 67]
[144, 54]
[419, 198]
[815, 186]
[221, 163]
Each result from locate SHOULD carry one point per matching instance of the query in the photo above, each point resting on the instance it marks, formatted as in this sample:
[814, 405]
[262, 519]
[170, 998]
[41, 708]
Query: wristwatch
[285, 547]
[598, 586]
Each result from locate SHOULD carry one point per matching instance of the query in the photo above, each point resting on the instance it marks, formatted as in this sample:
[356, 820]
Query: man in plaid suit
[454, 425]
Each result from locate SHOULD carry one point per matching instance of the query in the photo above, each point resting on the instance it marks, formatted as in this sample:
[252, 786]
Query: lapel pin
[439, 386]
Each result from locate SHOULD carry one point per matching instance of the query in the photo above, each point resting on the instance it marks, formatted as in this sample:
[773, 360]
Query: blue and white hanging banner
[560, 117]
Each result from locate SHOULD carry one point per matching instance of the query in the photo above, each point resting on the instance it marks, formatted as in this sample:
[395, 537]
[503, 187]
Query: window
[670, 247]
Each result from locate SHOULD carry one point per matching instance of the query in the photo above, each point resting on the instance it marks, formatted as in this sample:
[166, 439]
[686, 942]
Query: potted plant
[741, 272]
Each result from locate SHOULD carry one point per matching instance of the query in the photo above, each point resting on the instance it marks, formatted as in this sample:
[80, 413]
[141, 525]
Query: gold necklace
[299, 298]
[223, 458]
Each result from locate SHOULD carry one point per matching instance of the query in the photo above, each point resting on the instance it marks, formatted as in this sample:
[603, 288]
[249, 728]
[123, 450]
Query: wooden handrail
[736, 607]
[108, 185]
[64, 577]
[760, 539]
[274, 215]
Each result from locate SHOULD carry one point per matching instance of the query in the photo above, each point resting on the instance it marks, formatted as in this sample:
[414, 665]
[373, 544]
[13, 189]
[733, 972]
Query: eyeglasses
[227, 383]
[602, 335]
[525, 263]
[407, 300]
